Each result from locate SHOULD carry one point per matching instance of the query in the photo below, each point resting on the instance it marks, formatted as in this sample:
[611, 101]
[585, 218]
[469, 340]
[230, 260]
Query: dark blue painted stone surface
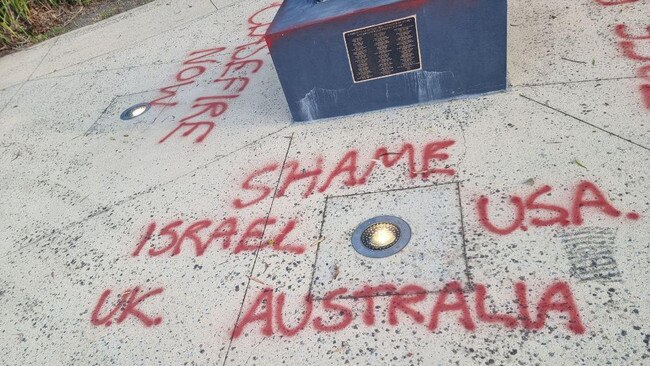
[463, 52]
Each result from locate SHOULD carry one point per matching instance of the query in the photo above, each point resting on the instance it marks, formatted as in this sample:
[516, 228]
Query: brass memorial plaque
[384, 49]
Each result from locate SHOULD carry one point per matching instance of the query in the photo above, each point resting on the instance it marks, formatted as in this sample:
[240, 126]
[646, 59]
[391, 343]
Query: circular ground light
[381, 236]
[135, 111]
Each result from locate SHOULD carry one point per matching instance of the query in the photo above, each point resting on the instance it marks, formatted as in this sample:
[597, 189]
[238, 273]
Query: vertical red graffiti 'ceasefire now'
[233, 79]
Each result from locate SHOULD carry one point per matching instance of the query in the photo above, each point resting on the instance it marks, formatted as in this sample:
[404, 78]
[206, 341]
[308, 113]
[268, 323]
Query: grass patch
[38, 38]
[109, 13]
[25, 21]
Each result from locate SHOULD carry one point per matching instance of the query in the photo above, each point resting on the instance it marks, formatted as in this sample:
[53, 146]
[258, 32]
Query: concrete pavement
[212, 230]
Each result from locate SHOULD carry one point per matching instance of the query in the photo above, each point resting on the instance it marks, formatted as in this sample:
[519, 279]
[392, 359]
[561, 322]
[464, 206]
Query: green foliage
[15, 19]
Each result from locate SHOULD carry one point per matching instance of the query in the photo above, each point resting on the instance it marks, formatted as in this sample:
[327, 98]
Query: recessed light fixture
[381, 236]
[135, 111]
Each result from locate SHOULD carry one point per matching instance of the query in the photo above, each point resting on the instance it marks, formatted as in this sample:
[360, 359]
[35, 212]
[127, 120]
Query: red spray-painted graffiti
[234, 78]
[203, 233]
[267, 310]
[628, 46]
[614, 2]
[127, 305]
[347, 169]
[195, 58]
[330, 314]
[586, 195]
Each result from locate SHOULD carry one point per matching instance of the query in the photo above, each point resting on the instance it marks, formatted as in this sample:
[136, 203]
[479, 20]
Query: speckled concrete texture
[211, 230]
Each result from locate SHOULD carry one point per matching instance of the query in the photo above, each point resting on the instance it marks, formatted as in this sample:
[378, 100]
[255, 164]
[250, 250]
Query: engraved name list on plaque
[384, 49]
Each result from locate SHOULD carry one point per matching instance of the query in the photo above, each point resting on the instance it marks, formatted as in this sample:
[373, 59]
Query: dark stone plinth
[338, 57]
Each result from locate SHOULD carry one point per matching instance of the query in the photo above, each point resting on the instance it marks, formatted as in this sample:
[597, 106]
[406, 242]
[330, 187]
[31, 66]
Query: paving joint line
[135, 43]
[150, 37]
[395, 189]
[468, 273]
[257, 252]
[320, 241]
[29, 77]
[585, 122]
[10, 86]
[132, 45]
[576, 81]
[50, 76]
[105, 209]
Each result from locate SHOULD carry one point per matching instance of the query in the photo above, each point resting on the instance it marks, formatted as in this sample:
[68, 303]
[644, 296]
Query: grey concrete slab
[181, 37]
[97, 254]
[550, 41]
[433, 256]
[517, 139]
[6, 94]
[620, 110]
[18, 67]
[411, 343]
[81, 104]
[121, 31]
